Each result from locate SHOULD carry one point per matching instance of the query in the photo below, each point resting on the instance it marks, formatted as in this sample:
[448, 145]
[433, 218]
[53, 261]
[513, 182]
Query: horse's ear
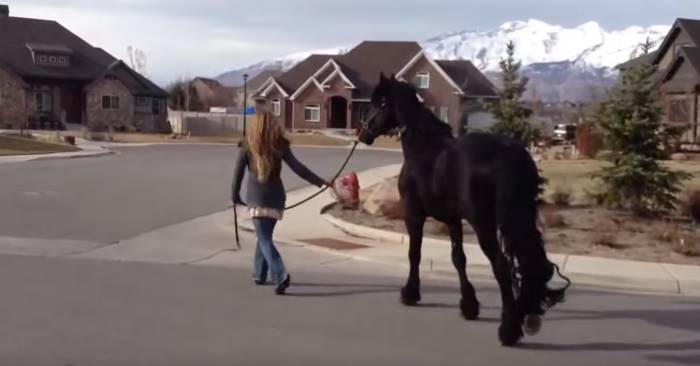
[382, 78]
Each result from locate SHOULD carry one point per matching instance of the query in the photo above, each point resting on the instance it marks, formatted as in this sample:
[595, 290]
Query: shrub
[561, 196]
[553, 219]
[691, 205]
[589, 141]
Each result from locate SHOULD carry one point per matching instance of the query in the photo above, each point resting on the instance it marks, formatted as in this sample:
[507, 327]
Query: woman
[262, 153]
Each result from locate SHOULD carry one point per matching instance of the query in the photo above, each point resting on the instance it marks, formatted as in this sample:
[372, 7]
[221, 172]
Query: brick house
[677, 76]
[49, 77]
[333, 91]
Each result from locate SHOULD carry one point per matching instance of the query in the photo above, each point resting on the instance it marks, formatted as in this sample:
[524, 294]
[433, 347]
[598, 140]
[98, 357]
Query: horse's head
[383, 115]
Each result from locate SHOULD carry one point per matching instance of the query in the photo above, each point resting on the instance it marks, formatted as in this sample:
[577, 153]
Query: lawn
[27, 145]
[575, 176]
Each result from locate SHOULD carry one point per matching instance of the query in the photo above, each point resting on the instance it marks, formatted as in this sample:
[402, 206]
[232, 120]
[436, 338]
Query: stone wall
[13, 106]
[99, 118]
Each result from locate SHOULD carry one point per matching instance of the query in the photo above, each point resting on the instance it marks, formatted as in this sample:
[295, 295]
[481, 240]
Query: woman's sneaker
[282, 287]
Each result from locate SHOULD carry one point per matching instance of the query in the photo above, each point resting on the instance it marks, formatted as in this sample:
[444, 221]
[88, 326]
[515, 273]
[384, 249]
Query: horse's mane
[426, 121]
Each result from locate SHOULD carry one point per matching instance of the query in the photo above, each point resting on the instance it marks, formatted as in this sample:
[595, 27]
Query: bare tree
[137, 59]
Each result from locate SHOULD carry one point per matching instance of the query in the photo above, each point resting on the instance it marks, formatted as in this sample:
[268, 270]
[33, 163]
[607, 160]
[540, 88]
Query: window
[444, 114]
[43, 98]
[110, 102]
[142, 102]
[423, 80]
[276, 108]
[155, 106]
[312, 113]
[679, 110]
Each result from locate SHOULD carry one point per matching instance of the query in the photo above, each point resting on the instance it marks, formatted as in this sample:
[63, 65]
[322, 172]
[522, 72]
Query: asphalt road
[62, 311]
[110, 198]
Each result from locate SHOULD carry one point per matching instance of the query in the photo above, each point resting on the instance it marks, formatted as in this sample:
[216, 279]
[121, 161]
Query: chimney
[4, 11]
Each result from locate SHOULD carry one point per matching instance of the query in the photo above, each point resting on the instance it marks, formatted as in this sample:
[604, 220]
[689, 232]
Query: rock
[679, 157]
[384, 200]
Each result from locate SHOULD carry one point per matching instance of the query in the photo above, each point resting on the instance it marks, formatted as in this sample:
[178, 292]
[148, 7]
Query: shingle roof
[647, 59]
[256, 82]
[135, 82]
[17, 35]
[297, 75]
[468, 77]
[690, 26]
[363, 64]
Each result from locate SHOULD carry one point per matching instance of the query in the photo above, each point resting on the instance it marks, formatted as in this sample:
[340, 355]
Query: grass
[27, 145]
[576, 175]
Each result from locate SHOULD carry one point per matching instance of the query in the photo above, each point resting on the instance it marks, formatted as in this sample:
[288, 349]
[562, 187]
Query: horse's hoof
[470, 309]
[510, 332]
[532, 324]
[410, 296]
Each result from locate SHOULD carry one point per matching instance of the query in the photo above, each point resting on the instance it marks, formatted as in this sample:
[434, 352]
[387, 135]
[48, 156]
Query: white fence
[205, 123]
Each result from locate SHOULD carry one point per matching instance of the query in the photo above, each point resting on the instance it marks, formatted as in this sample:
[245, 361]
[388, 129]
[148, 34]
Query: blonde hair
[266, 142]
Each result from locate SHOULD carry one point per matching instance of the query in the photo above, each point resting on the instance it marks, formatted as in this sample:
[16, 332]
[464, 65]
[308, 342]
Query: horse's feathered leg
[510, 331]
[415, 221]
[469, 304]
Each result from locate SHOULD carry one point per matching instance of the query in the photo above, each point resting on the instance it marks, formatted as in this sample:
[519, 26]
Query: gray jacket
[270, 194]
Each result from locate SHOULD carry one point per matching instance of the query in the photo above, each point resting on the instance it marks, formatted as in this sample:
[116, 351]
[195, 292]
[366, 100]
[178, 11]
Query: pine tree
[510, 113]
[631, 122]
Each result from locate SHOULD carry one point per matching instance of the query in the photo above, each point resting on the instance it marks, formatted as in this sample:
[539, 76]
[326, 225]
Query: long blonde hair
[266, 143]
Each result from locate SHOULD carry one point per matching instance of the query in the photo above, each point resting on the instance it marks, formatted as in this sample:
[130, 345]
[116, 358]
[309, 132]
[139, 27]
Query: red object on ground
[346, 190]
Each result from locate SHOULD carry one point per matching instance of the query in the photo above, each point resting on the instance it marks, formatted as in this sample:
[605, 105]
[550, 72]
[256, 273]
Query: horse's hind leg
[415, 221]
[468, 304]
[510, 331]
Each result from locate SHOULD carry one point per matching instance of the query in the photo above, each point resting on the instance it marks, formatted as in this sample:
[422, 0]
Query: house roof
[691, 56]
[18, 36]
[297, 75]
[363, 64]
[470, 80]
[690, 26]
[135, 82]
[647, 59]
[256, 82]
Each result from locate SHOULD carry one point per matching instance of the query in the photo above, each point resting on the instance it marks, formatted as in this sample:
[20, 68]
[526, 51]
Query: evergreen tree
[510, 113]
[631, 123]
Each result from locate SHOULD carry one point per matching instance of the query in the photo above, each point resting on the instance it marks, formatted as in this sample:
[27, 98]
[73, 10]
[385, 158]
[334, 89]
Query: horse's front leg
[469, 304]
[415, 221]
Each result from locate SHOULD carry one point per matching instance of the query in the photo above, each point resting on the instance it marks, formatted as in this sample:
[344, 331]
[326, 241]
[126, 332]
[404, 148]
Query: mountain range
[573, 64]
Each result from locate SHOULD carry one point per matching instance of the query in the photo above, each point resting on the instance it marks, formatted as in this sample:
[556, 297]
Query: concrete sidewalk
[304, 223]
[88, 149]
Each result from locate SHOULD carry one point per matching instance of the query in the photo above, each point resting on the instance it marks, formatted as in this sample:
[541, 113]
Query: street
[111, 198]
[173, 292]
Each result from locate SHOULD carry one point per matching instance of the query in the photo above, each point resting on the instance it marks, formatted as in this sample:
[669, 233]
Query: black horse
[490, 181]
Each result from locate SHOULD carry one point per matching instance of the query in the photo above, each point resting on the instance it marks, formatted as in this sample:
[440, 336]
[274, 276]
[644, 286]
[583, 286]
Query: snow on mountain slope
[538, 42]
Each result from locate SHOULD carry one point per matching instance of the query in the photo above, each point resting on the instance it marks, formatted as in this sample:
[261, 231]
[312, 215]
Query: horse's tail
[518, 189]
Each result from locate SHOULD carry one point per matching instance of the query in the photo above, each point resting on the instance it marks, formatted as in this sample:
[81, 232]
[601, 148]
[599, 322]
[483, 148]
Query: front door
[339, 113]
[70, 103]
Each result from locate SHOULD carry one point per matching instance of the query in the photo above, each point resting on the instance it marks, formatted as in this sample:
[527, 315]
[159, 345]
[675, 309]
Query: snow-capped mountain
[574, 64]
[538, 42]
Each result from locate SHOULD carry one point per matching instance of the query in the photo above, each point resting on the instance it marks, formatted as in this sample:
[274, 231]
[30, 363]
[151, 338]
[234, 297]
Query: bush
[553, 219]
[561, 196]
[589, 141]
[691, 205]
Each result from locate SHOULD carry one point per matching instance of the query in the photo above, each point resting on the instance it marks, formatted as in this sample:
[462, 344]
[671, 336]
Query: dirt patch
[28, 145]
[582, 231]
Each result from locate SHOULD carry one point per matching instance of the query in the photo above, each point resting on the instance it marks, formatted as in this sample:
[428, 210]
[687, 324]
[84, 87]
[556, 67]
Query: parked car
[564, 132]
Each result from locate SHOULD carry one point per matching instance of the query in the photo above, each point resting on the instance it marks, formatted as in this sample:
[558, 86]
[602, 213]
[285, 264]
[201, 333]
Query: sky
[209, 37]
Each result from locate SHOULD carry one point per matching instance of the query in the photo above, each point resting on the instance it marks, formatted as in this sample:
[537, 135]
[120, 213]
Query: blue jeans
[266, 255]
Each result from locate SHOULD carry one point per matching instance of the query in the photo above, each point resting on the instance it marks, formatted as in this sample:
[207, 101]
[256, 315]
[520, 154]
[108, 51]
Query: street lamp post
[245, 101]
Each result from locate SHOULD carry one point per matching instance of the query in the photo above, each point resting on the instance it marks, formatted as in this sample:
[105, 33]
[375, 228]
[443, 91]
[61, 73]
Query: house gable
[685, 32]
[424, 63]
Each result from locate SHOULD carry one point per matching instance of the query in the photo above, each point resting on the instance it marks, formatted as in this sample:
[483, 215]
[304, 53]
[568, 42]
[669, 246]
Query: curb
[659, 278]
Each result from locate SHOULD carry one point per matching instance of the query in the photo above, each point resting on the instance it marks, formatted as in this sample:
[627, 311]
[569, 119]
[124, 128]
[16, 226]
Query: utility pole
[245, 101]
